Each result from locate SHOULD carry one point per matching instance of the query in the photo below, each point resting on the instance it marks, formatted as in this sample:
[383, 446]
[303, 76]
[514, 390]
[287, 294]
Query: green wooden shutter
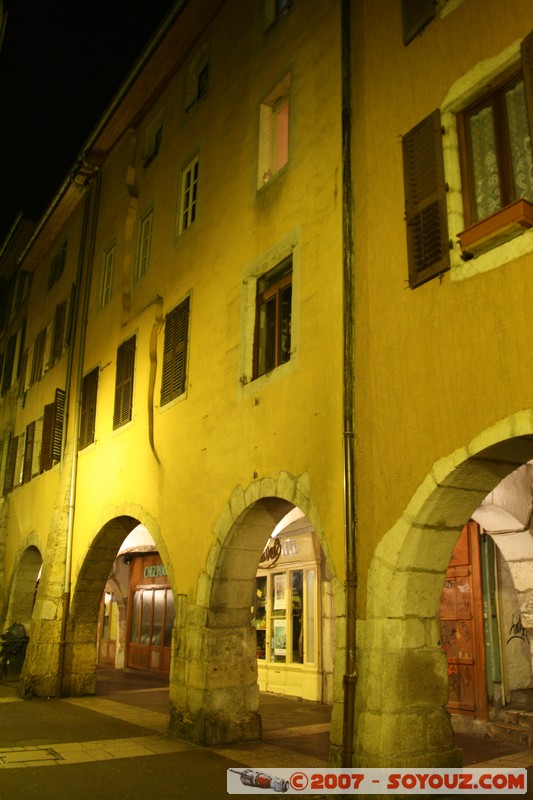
[124, 383]
[415, 16]
[175, 353]
[425, 201]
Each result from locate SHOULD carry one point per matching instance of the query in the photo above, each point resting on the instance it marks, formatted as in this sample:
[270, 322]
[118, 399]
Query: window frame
[271, 129]
[188, 194]
[89, 397]
[281, 279]
[144, 251]
[107, 275]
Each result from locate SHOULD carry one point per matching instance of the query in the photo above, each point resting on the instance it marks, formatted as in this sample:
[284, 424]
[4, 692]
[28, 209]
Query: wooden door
[461, 615]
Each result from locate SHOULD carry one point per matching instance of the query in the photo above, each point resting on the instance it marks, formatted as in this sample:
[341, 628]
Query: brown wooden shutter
[88, 408]
[48, 433]
[58, 332]
[175, 353]
[57, 431]
[38, 357]
[28, 453]
[527, 69]
[425, 201]
[124, 383]
[415, 16]
[11, 464]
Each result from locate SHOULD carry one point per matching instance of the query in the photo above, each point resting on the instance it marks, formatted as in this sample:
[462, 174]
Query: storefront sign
[155, 571]
[271, 553]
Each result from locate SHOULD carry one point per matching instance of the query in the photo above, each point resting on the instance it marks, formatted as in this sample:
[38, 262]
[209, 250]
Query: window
[37, 366]
[272, 344]
[197, 81]
[189, 194]
[273, 132]
[145, 243]
[51, 432]
[57, 264]
[88, 408]
[174, 380]
[124, 383]
[11, 464]
[58, 332]
[27, 466]
[106, 278]
[155, 137]
[416, 14]
[495, 146]
[274, 9]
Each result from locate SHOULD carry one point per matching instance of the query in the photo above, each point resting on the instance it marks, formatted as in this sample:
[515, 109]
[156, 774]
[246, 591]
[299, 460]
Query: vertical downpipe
[76, 419]
[350, 521]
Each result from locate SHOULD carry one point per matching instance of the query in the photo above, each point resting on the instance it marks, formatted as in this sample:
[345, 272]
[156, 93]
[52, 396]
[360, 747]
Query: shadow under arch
[81, 650]
[214, 696]
[403, 686]
[23, 587]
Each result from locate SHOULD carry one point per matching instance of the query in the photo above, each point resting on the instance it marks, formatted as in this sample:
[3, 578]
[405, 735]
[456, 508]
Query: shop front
[287, 617]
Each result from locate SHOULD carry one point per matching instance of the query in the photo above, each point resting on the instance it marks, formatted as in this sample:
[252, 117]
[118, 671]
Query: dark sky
[61, 63]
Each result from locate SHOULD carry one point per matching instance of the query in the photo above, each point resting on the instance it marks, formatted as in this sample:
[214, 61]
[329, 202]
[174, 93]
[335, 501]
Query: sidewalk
[115, 744]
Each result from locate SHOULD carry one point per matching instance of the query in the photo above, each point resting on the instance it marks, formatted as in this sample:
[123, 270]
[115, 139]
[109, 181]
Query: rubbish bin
[13, 651]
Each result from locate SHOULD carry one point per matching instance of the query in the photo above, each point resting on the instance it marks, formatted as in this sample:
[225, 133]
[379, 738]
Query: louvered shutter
[28, 453]
[9, 362]
[175, 353]
[38, 357]
[415, 16]
[124, 383]
[57, 430]
[527, 69]
[11, 464]
[88, 408]
[48, 435]
[425, 201]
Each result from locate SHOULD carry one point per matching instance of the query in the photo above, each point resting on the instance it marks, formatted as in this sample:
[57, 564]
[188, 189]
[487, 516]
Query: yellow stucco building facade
[278, 295]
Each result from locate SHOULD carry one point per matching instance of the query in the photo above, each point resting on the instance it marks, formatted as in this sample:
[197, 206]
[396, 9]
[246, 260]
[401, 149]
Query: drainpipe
[77, 415]
[350, 521]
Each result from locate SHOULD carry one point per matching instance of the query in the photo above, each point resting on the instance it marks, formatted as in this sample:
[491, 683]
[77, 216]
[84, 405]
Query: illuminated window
[274, 132]
[145, 244]
[174, 380]
[272, 345]
[106, 279]
[189, 194]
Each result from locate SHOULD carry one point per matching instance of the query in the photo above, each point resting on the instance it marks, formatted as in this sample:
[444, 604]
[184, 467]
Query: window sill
[505, 224]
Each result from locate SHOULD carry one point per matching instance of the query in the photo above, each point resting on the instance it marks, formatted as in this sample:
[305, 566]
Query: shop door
[107, 627]
[461, 615]
[150, 617]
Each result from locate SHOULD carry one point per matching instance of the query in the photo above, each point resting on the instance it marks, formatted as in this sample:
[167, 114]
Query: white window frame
[188, 194]
[459, 96]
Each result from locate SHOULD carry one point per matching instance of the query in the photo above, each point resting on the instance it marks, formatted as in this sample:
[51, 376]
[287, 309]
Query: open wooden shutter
[527, 69]
[415, 16]
[425, 201]
[175, 353]
[88, 408]
[124, 383]
[52, 431]
[11, 464]
[9, 362]
[28, 453]
[58, 332]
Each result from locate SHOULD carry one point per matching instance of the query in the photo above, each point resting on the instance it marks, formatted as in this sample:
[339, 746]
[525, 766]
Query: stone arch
[402, 687]
[24, 584]
[92, 573]
[214, 695]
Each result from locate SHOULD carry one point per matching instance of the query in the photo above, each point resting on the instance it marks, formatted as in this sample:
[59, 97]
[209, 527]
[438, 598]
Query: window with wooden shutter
[425, 201]
[416, 14]
[52, 430]
[58, 332]
[124, 383]
[9, 362]
[28, 453]
[38, 357]
[88, 408]
[174, 379]
[11, 464]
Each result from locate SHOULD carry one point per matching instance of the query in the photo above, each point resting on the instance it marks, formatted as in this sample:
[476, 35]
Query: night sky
[60, 65]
